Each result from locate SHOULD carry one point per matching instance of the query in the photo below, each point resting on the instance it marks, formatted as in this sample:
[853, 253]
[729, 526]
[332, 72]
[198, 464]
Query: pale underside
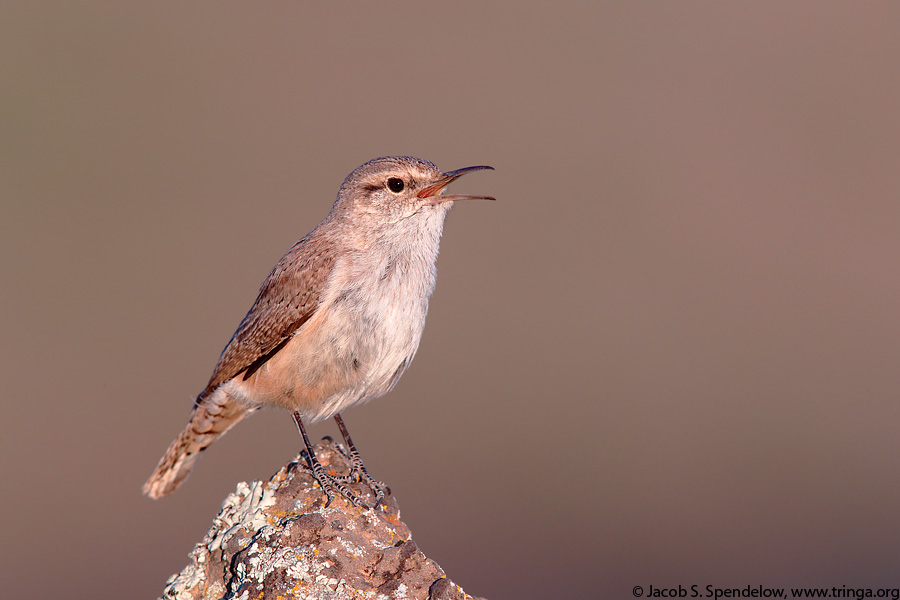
[354, 344]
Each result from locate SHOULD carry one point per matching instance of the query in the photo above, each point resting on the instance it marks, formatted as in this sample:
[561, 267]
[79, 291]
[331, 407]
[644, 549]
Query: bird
[336, 322]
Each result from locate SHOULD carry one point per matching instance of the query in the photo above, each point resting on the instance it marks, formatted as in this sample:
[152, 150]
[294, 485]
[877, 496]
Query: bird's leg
[325, 480]
[358, 470]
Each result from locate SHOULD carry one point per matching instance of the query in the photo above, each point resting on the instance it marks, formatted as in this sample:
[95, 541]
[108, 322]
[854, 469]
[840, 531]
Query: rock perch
[274, 540]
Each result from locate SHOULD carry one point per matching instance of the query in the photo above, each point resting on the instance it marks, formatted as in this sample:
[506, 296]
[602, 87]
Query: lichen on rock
[276, 540]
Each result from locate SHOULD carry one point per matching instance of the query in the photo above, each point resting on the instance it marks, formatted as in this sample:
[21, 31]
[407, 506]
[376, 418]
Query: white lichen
[241, 511]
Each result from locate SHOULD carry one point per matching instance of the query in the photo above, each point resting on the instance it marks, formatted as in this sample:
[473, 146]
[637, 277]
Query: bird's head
[397, 187]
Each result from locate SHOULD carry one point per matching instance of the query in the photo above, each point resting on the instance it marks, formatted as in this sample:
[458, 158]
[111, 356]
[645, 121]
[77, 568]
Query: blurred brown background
[667, 355]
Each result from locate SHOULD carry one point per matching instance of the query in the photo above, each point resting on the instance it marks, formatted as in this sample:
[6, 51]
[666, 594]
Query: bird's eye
[395, 185]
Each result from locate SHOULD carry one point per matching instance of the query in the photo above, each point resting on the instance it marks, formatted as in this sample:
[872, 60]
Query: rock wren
[336, 322]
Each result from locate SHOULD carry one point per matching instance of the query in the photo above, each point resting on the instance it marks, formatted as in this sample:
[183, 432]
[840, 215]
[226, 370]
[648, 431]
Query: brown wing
[287, 299]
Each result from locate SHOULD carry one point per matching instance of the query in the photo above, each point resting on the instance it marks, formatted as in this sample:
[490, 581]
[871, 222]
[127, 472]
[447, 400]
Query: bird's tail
[211, 417]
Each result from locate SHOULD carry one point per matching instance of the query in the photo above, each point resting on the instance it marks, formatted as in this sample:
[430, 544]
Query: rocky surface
[274, 540]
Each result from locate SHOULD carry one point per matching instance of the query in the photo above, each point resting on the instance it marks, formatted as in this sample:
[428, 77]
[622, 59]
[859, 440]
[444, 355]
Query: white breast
[376, 308]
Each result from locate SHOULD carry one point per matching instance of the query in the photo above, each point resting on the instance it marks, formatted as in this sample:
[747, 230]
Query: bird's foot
[330, 483]
[359, 474]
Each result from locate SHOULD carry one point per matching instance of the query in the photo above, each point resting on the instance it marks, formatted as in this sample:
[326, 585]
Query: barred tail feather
[211, 418]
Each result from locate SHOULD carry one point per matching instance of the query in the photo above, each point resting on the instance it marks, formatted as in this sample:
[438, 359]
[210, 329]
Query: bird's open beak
[434, 190]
